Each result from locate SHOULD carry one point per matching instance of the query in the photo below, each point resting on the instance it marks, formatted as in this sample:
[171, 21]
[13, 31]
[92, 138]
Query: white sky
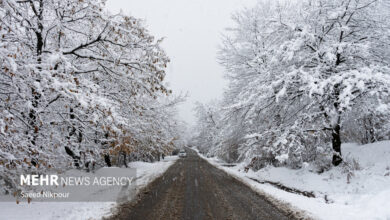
[192, 30]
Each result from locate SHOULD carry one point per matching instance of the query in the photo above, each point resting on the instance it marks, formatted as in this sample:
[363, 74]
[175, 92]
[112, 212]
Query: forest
[303, 78]
[291, 103]
[80, 88]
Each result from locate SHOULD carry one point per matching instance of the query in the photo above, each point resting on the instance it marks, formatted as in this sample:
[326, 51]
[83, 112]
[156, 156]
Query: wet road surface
[194, 189]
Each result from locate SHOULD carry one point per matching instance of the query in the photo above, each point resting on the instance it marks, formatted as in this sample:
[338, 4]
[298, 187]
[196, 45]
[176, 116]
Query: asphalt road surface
[194, 189]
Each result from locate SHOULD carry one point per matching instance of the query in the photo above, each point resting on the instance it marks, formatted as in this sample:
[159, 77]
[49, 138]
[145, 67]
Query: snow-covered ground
[364, 193]
[146, 172]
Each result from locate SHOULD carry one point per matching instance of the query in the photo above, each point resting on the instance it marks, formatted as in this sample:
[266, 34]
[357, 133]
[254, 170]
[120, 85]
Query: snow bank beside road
[361, 192]
[146, 172]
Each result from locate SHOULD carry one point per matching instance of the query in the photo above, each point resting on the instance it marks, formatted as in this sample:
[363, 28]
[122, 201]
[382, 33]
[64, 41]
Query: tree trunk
[336, 138]
[36, 95]
[124, 158]
[76, 159]
[107, 160]
[33, 117]
[336, 145]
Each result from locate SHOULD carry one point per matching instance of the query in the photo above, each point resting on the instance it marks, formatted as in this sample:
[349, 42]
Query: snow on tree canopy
[303, 76]
[79, 87]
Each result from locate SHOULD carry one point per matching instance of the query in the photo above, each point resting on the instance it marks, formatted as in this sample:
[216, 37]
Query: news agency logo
[55, 180]
[107, 184]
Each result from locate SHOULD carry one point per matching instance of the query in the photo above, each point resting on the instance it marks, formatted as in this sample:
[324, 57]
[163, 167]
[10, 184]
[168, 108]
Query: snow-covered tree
[207, 126]
[76, 82]
[297, 71]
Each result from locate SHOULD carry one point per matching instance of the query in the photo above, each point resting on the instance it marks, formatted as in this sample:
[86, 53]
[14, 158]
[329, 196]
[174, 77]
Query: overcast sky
[192, 30]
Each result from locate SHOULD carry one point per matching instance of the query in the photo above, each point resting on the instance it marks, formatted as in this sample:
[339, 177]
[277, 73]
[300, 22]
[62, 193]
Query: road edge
[137, 197]
[285, 207]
